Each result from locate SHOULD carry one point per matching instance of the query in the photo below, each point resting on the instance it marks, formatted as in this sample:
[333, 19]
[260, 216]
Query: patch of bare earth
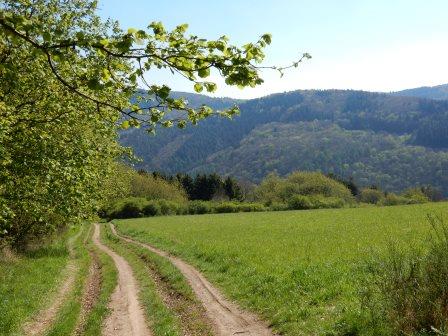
[228, 319]
[127, 317]
[41, 322]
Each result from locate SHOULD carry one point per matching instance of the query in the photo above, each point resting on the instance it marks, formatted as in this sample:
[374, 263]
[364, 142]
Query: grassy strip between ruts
[68, 315]
[163, 322]
[29, 281]
[176, 291]
[108, 274]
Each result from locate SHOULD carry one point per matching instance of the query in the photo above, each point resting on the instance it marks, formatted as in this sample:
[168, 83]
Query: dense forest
[390, 140]
[432, 92]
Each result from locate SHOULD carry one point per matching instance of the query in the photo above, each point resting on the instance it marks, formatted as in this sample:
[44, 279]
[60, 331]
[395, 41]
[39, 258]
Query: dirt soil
[127, 317]
[91, 292]
[228, 319]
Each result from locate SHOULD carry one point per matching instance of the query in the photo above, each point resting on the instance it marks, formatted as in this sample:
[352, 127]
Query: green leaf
[210, 87]
[125, 124]
[198, 87]
[164, 92]
[204, 73]
[46, 36]
[94, 84]
[267, 38]
[167, 123]
[181, 124]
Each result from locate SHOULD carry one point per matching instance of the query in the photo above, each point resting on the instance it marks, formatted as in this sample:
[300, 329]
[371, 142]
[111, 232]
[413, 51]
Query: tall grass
[28, 282]
[408, 289]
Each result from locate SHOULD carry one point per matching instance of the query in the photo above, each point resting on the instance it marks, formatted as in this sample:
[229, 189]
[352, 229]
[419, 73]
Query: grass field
[300, 270]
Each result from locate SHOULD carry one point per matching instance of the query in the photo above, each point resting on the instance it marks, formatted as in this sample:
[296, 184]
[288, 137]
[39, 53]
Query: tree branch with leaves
[122, 58]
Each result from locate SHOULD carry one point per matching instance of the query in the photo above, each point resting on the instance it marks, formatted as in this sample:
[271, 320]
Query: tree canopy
[90, 58]
[66, 82]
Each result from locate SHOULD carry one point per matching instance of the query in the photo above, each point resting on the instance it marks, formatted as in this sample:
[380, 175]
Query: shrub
[300, 202]
[329, 202]
[274, 189]
[415, 196]
[225, 207]
[198, 207]
[251, 207]
[154, 188]
[129, 210]
[277, 206]
[269, 189]
[394, 199]
[372, 196]
[313, 183]
[152, 209]
[168, 207]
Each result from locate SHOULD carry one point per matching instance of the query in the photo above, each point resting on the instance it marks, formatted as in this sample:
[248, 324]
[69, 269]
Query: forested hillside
[432, 92]
[389, 140]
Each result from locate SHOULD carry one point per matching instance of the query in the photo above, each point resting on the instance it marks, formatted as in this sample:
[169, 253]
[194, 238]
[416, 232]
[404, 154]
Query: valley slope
[391, 140]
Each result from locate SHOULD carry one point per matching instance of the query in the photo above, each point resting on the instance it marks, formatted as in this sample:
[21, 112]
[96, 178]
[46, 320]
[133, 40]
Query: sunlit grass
[298, 269]
[28, 282]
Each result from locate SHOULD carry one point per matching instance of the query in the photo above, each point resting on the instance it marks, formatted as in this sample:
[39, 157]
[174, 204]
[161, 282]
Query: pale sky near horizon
[374, 45]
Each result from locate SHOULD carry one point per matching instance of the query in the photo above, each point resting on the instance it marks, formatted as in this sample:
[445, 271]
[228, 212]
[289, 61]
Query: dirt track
[45, 318]
[228, 318]
[127, 317]
[91, 292]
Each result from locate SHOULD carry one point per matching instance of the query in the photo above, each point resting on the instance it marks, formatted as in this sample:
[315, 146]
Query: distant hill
[431, 92]
[389, 140]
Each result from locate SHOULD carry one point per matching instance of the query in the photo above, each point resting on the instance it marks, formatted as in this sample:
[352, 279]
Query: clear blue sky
[377, 45]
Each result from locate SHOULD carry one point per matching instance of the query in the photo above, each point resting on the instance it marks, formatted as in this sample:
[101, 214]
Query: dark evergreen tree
[206, 186]
[187, 183]
[350, 183]
[232, 189]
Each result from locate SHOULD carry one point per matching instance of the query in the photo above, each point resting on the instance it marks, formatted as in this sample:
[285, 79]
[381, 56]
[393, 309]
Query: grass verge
[29, 281]
[67, 316]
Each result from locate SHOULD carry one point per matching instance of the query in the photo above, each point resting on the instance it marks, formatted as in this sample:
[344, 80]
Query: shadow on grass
[46, 251]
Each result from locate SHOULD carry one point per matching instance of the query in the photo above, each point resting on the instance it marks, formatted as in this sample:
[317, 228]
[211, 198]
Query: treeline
[204, 187]
[155, 193]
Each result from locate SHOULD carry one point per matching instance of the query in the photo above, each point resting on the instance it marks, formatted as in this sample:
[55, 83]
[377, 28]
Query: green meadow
[300, 270]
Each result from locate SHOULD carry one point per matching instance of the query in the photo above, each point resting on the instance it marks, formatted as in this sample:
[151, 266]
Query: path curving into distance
[127, 317]
[227, 317]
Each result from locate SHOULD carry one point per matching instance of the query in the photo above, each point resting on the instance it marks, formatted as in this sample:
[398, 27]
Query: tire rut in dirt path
[227, 317]
[193, 318]
[127, 317]
[90, 294]
[40, 323]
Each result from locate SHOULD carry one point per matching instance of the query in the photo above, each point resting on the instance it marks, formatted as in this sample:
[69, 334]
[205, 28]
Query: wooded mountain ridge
[392, 140]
